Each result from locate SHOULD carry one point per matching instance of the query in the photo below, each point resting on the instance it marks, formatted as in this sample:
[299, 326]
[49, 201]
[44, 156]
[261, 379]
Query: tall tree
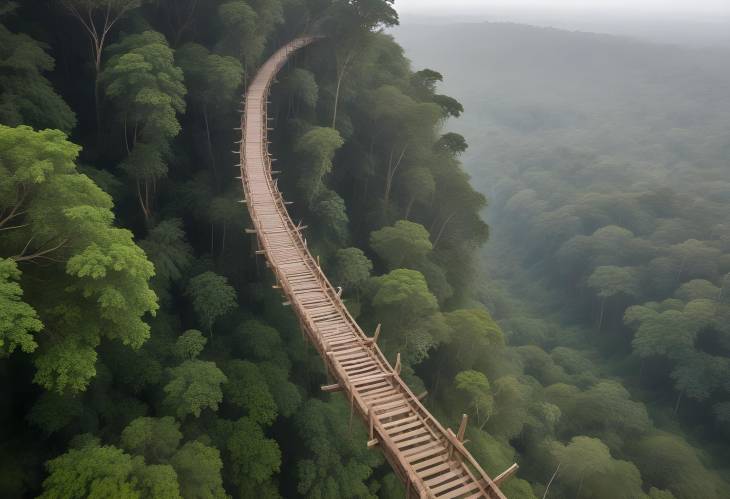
[98, 17]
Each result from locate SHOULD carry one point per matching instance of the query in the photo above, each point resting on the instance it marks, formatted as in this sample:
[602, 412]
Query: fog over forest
[510, 221]
[606, 163]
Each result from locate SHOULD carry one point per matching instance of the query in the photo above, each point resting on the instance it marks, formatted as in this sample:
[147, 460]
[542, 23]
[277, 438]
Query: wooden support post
[339, 291]
[372, 443]
[318, 265]
[250, 231]
[286, 303]
[423, 395]
[243, 201]
[506, 474]
[397, 364]
[462, 427]
[376, 335]
[371, 422]
[331, 388]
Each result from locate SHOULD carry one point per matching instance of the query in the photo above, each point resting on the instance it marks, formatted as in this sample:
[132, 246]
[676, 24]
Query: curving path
[431, 460]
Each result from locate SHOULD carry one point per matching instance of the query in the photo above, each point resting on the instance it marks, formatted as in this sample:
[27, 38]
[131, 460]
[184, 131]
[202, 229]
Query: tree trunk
[211, 155]
[340, 77]
[408, 208]
[600, 317]
[676, 405]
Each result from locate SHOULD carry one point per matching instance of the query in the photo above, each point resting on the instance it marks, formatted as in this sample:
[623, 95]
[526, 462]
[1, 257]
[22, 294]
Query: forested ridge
[143, 350]
[608, 269]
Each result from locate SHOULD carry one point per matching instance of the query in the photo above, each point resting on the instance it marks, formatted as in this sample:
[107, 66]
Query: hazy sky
[661, 6]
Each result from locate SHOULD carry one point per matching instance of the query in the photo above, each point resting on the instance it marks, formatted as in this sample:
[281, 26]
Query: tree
[247, 388]
[141, 77]
[405, 306]
[212, 81]
[194, 386]
[27, 97]
[212, 297]
[587, 467]
[99, 287]
[335, 462]
[419, 185]
[610, 281]
[198, 467]
[156, 439]
[254, 459]
[669, 462]
[189, 345]
[474, 335]
[316, 147]
[476, 386]
[105, 471]
[351, 268]
[166, 247]
[404, 244]
[453, 143]
[98, 17]
[18, 320]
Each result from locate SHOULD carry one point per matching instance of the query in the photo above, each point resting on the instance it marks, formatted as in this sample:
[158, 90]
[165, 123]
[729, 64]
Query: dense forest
[143, 350]
[607, 165]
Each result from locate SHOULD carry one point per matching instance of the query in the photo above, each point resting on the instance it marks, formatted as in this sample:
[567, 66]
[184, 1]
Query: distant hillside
[531, 79]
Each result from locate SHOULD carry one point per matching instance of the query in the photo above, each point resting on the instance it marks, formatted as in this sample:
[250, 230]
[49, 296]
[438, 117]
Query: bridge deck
[431, 460]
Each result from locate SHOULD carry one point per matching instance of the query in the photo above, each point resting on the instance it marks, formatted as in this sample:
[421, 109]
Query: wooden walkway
[432, 461]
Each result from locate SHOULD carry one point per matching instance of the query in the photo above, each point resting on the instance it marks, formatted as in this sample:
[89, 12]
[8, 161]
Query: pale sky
[667, 7]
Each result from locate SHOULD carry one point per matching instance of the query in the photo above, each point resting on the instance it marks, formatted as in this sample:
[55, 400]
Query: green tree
[98, 17]
[194, 386]
[166, 247]
[351, 268]
[474, 336]
[669, 462]
[254, 459]
[189, 344]
[212, 81]
[18, 320]
[404, 244]
[212, 297]
[247, 388]
[105, 471]
[316, 147]
[476, 386]
[156, 439]
[27, 97]
[609, 281]
[405, 307]
[96, 280]
[587, 467]
[336, 463]
[198, 467]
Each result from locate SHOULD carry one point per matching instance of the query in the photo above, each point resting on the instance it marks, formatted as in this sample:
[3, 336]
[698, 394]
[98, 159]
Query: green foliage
[351, 268]
[27, 97]
[189, 345]
[154, 438]
[587, 467]
[94, 471]
[211, 296]
[198, 468]
[194, 386]
[247, 388]
[141, 77]
[404, 244]
[18, 320]
[670, 463]
[337, 462]
[316, 149]
[477, 388]
[58, 216]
